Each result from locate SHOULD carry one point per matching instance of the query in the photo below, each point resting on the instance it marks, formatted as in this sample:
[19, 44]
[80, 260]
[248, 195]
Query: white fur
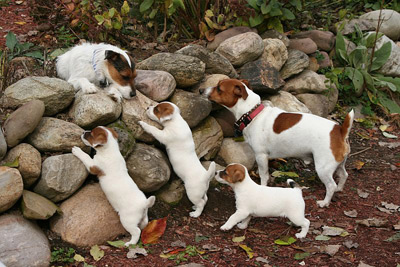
[309, 139]
[121, 191]
[177, 137]
[253, 200]
[76, 67]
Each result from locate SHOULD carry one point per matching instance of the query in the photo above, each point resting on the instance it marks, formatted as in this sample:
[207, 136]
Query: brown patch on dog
[234, 173]
[98, 136]
[113, 132]
[285, 121]
[228, 91]
[163, 110]
[119, 69]
[338, 145]
[96, 171]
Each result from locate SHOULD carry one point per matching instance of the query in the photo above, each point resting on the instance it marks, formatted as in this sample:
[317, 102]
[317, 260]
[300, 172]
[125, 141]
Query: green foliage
[360, 68]
[273, 12]
[63, 255]
[182, 255]
[21, 49]
[65, 37]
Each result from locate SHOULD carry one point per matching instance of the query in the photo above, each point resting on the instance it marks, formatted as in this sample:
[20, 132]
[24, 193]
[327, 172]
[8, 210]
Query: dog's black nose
[133, 93]
[201, 91]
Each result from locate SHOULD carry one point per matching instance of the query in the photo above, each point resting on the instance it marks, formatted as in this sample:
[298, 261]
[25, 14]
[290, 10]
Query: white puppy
[177, 137]
[274, 133]
[121, 191]
[88, 66]
[253, 200]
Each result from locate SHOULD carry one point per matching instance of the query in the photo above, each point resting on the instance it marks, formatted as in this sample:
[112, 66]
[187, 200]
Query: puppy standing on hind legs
[253, 200]
[177, 137]
[121, 191]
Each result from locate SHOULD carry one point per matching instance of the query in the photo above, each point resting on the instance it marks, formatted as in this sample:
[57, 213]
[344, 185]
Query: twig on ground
[359, 152]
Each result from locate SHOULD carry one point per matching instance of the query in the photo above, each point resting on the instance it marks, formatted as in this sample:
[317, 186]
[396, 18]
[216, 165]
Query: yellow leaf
[248, 250]
[96, 252]
[383, 127]
[359, 164]
[20, 22]
[79, 258]
[238, 239]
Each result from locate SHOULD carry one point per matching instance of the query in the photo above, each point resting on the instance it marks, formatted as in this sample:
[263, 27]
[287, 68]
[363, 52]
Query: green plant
[181, 255]
[271, 13]
[63, 255]
[360, 66]
[15, 48]
[65, 37]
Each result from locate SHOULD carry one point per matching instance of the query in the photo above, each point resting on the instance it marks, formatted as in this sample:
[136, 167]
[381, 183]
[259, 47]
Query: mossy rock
[126, 139]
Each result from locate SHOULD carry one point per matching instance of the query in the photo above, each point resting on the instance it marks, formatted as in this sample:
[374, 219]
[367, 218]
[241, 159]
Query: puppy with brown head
[89, 66]
[177, 137]
[121, 191]
[253, 200]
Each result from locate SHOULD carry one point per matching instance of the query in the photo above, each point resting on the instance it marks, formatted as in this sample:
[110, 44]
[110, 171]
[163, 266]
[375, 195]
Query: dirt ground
[374, 170]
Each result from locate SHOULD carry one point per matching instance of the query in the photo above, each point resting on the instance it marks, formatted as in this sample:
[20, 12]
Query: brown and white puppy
[89, 66]
[275, 133]
[177, 137]
[121, 191]
[253, 200]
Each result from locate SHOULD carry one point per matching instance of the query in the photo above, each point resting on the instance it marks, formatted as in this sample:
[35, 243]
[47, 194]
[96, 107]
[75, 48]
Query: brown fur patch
[163, 110]
[113, 132]
[120, 71]
[234, 173]
[338, 145]
[96, 171]
[98, 136]
[227, 92]
[285, 121]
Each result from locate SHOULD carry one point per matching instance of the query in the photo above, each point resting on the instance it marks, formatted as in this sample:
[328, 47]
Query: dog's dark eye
[218, 89]
[126, 77]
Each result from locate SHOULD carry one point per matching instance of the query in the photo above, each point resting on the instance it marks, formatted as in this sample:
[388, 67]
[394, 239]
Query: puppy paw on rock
[76, 150]
[90, 89]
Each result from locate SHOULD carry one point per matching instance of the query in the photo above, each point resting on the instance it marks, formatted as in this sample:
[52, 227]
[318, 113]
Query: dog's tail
[150, 201]
[347, 124]
[211, 171]
[293, 184]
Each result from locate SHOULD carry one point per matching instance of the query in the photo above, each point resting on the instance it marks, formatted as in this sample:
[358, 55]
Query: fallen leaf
[362, 194]
[322, 238]
[263, 260]
[372, 222]
[390, 206]
[20, 22]
[178, 243]
[133, 253]
[211, 247]
[358, 164]
[384, 210]
[350, 244]
[238, 239]
[117, 243]
[153, 231]
[199, 238]
[378, 188]
[96, 252]
[254, 230]
[331, 250]
[333, 231]
[388, 135]
[285, 240]
[13, 164]
[301, 256]
[396, 226]
[79, 258]
[394, 237]
[383, 127]
[289, 174]
[248, 250]
[19, 2]
[351, 213]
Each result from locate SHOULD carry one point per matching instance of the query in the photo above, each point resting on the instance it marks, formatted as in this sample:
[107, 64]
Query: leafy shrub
[15, 48]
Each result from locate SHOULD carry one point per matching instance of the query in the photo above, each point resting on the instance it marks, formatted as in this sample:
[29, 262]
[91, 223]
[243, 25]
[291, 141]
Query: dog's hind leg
[198, 206]
[243, 224]
[135, 233]
[235, 218]
[84, 84]
[325, 172]
[342, 174]
[304, 224]
[262, 162]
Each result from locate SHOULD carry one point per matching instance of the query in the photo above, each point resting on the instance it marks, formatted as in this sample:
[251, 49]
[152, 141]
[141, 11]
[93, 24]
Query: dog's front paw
[195, 214]
[90, 89]
[144, 125]
[322, 203]
[242, 225]
[300, 235]
[76, 151]
[117, 97]
[225, 227]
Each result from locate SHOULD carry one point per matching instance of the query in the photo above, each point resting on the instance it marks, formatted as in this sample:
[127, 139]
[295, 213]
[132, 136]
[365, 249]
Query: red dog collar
[246, 118]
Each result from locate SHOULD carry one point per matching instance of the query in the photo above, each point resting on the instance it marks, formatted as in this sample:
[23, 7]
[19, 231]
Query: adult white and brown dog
[121, 191]
[89, 66]
[275, 133]
[177, 137]
[253, 200]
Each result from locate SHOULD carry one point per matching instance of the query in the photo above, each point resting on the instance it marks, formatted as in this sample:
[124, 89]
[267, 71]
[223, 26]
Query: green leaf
[125, 8]
[368, 80]
[358, 57]
[238, 239]
[257, 20]
[99, 18]
[280, 174]
[178, 3]
[285, 241]
[275, 12]
[117, 25]
[388, 103]
[153, 13]
[35, 54]
[209, 13]
[253, 4]
[11, 40]
[356, 77]
[57, 52]
[275, 23]
[301, 256]
[79, 258]
[96, 252]
[13, 164]
[199, 238]
[390, 80]
[287, 14]
[341, 46]
[381, 56]
[117, 243]
[265, 9]
[145, 5]
[322, 238]
[296, 3]
[394, 237]
[371, 39]
[111, 12]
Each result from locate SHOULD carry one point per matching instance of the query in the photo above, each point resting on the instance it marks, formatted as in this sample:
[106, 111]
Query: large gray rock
[318, 104]
[209, 81]
[3, 144]
[23, 121]
[306, 82]
[36, 207]
[76, 227]
[186, 70]
[133, 111]
[91, 110]
[207, 137]
[194, 108]
[237, 152]
[11, 187]
[29, 162]
[262, 76]
[390, 22]
[297, 61]
[349, 26]
[126, 140]
[242, 48]
[392, 65]
[155, 84]
[215, 62]
[148, 167]
[172, 192]
[61, 176]
[22, 243]
[222, 36]
[275, 52]
[274, 34]
[55, 135]
[288, 102]
[56, 94]
[325, 40]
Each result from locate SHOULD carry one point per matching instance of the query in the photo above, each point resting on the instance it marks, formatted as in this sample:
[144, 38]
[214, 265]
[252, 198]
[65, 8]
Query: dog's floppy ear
[246, 82]
[150, 201]
[240, 91]
[110, 55]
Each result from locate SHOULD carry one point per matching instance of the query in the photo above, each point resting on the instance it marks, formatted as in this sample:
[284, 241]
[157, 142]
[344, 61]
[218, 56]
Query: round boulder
[155, 84]
[11, 187]
[237, 152]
